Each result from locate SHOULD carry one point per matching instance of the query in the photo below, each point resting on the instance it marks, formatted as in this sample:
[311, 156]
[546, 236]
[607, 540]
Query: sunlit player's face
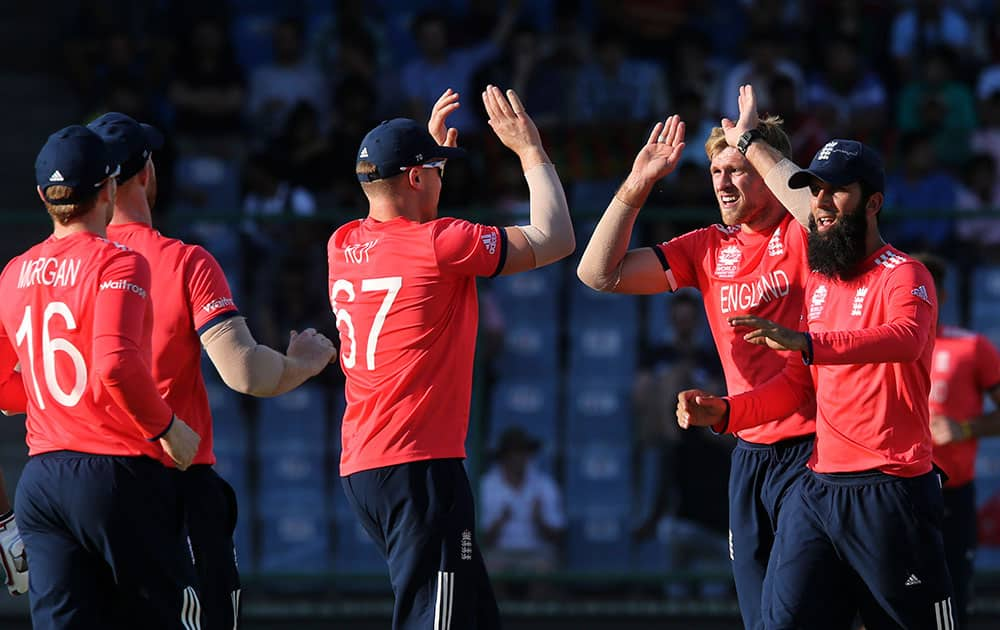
[838, 229]
[740, 191]
[151, 184]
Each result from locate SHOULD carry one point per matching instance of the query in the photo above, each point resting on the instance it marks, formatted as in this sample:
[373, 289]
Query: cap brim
[153, 136]
[803, 177]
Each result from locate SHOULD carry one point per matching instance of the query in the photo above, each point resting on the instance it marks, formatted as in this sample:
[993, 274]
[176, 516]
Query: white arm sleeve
[795, 200]
[550, 233]
[244, 365]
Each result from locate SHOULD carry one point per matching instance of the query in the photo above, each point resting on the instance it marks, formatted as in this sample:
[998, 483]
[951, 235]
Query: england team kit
[404, 295]
[190, 295]
[99, 513]
[862, 531]
[759, 273]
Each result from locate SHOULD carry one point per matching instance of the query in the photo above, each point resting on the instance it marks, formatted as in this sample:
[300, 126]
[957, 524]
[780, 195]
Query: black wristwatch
[747, 139]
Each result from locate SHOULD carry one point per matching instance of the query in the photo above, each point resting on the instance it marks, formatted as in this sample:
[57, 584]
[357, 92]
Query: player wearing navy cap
[99, 513]
[403, 287]
[194, 308]
[862, 529]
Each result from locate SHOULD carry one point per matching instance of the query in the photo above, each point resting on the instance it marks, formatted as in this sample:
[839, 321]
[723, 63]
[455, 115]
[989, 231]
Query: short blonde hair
[769, 126]
[65, 213]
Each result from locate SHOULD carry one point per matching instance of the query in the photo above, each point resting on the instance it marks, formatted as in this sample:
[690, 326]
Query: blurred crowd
[265, 103]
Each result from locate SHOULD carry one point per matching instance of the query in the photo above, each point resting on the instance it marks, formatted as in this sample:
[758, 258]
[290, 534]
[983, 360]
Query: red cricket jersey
[404, 294]
[757, 273]
[190, 295]
[872, 339]
[77, 315]
[965, 366]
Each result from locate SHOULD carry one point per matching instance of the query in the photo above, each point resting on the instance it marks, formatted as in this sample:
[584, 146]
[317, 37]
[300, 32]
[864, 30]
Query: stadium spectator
[965, 368]
[866, 356]
[923, 26]
[753, 261]
[292, 78]
[615, 86]
[986, 137]
[766, 60]
[523, 519]
[939, 104]
[440, 67]
[853, 92]
[979, 193]
[402, 286]
[207, 91]
[920, 186]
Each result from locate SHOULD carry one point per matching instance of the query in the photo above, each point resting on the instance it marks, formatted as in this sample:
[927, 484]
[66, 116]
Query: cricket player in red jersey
[403, 287]
[194, 308]
[754, 261]
[861, 531]
[965, 367]
[99, 513]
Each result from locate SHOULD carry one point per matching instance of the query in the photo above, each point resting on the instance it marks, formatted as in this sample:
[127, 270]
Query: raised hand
[662, 151]
[767, 333]
[511, 123]
[696, 408]
[748, 116]
[437, 125]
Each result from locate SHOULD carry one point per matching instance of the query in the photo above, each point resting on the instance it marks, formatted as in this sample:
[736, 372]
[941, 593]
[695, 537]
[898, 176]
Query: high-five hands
[438, 123]
[748, 117]
[659, 157]
[513, 126]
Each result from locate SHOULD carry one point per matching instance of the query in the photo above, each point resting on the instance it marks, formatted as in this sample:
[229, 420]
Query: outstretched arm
[774, 167]
[549, 235]
[607, 264]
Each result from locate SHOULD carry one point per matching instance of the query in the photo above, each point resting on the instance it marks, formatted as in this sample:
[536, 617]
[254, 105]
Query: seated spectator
[980, 192]
[207, 91]
[276, 88]
[920, 197]
[306, 155]
[937, 102]
[616, 86]
[765, 50]
[855, 93]
[928, 24]
[806, 126]
[440, 67]
[522, 519]
[986, 137]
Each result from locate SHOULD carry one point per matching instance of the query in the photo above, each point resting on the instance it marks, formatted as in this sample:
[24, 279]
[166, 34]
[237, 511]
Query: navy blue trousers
[759, 479]
[960, 538]
[210, 513]
[862, 542]
[106, 544]
[421, 516]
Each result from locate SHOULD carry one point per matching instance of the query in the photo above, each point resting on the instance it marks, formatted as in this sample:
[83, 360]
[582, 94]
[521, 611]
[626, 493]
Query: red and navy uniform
[190, 295]
[862, 530]
[404, 294]
[98, 511]
[966, 365]
[764, 274]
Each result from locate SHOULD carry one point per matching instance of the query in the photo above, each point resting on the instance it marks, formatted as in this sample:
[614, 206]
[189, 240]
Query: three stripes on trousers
[443, 602]
[942, 613]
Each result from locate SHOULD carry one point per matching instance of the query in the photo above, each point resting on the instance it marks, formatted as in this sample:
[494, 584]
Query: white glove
[13, 560]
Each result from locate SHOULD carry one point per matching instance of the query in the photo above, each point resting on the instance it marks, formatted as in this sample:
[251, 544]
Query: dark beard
[839, 250]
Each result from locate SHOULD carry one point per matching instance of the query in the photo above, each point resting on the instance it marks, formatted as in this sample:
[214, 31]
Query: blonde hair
[769, 126]
[381, 186]
[66, 213]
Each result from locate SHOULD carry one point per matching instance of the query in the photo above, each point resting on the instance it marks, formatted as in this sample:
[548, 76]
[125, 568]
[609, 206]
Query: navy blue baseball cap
[138, 140]
[78, 158]
[843, 162]
[398, 144]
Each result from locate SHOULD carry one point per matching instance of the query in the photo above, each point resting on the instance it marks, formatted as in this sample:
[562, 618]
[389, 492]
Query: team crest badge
[817, 302]
[728, 262]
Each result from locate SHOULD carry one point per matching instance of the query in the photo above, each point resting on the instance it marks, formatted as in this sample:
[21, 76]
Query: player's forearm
[247, 366]
[602, 261]
[776, 174]
[550, 233]
[902, 341]
[778, 398]
[128, 381]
